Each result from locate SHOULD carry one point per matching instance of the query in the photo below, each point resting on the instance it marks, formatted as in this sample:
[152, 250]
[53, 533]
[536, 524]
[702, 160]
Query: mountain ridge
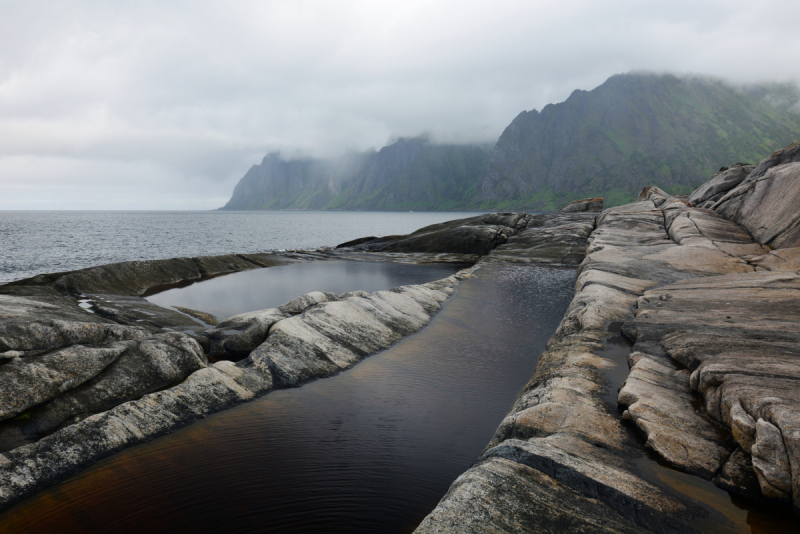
[633, 130]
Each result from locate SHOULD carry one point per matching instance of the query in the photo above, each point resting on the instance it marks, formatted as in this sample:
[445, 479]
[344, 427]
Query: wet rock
[659, 402]
[134, 278]
[737, 476]
[550, 239]
[332, 336]
[474, 235]
[203, 316]
[500, 495]
[586, 204]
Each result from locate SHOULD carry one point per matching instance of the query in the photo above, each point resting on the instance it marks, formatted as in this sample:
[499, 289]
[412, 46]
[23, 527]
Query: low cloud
[165, 105]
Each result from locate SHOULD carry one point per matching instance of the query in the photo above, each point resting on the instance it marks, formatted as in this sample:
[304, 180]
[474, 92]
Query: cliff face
[633, 130]
[408, 174]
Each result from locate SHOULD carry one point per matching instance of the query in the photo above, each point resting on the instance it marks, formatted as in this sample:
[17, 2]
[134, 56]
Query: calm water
[372, 449]
[269, 288]
[35, 242]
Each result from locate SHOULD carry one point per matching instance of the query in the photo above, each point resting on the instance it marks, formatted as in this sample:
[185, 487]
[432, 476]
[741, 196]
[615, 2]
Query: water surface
[372, 449]
[35, 242]
[269, 288]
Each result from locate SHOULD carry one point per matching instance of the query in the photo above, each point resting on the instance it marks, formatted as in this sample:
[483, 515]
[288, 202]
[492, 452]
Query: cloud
[167, 104]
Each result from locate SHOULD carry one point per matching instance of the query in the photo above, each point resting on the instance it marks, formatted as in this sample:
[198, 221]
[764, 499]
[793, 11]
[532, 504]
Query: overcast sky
[165, 105]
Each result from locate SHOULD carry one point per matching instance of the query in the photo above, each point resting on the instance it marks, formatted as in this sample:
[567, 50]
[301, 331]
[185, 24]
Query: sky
[166, 104]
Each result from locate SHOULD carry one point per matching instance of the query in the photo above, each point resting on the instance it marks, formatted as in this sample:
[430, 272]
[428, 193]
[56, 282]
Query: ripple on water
[372, 449]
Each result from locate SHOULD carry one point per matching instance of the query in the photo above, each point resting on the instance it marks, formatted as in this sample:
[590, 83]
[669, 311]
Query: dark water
[268, 288]
[728, 513]
[370, 450]
[35, 242]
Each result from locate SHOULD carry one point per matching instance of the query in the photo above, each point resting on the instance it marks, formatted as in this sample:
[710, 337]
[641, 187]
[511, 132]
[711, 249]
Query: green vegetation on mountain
[633, 130]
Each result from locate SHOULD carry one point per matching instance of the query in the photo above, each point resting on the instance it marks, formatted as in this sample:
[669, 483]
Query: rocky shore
[704, 289]
[88, 367]
[710, 299]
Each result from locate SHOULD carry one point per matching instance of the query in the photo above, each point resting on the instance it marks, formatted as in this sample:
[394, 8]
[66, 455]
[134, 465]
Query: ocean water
[36, 242]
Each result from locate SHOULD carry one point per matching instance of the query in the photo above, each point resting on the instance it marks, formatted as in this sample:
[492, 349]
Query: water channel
[372, 449]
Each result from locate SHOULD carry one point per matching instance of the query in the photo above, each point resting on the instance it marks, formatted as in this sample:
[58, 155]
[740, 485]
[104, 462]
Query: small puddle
[259, 289]
[729, 513]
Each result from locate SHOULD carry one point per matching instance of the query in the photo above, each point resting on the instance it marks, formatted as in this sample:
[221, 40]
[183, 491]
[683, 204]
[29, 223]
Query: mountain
[411, 173]
[635, 130]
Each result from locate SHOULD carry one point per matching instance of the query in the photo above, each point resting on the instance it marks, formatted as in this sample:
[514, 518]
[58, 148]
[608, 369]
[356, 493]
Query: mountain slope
[633, 130]
[408, 174]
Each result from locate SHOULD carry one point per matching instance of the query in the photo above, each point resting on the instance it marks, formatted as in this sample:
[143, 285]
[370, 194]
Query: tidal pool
[372, 449]
[269, 288]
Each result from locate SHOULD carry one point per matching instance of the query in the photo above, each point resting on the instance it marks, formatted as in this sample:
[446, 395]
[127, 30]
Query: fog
[154, 105]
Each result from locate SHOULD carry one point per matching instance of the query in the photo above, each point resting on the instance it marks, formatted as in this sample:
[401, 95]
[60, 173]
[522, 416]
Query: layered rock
[712, 312]
[80, 383]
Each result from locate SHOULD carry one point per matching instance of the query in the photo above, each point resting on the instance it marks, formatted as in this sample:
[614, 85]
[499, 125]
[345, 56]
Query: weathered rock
[551, 239]
[721, 183]
[737, 476]
[332, 336]
[142, 367]
[771, 462]
[134, 278]
[586, 204]
[659, 402]
[203, 316]
[767, 206]
[99, 400]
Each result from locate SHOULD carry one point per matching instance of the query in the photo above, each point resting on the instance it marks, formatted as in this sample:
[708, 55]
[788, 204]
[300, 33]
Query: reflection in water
[268, 288]
[370, 450]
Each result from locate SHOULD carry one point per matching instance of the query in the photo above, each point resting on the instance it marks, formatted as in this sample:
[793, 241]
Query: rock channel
[707, 295]
[710, 298]
[88, 367]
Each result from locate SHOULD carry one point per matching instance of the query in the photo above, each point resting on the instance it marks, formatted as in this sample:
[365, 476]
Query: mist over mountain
[634, 130]
[411, 173]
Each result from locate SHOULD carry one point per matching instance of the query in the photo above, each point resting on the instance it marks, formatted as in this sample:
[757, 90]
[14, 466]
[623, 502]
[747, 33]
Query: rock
[142, 367]
[332, 336]
[550, 239]
[135, 278]
[778, 188]
[474, 235]
[721, 183]
[586, 204]
[737, 476]
[788, 154]
[83, 403]
[236, 337]
[203, 316]
[301, 304]
[771, 462]
[660, 403]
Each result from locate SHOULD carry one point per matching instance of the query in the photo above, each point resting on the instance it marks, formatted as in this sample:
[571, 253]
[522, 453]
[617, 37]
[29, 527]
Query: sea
[36, 242]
